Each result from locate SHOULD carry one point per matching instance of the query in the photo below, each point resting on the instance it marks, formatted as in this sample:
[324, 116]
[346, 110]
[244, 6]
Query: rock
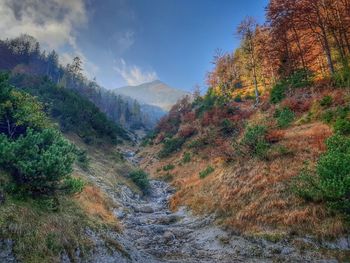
[119, 213]
[343, 243]
[6, 253]
[167, 220]
[144, 209]
[168, 236]
[287, 250]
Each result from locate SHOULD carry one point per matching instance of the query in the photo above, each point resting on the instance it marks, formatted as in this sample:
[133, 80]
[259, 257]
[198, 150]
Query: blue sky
[126, 42]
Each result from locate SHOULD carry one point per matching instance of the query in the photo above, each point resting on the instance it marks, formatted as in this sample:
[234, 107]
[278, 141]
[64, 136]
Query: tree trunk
[328, 55]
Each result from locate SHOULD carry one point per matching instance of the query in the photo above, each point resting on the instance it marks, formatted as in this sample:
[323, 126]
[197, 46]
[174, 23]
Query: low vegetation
[284, 117]
[170, 146]
[254, 140]
[206, 172]
[140, 178]
[330, 182]
[186, 158]
[168, 167]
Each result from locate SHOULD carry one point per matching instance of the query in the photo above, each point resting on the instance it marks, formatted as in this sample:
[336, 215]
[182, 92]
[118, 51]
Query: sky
[129, 42]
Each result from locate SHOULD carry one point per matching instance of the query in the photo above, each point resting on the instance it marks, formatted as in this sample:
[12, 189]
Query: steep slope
[154, 93]
[73, 112]
[247, 165]
[23, 55]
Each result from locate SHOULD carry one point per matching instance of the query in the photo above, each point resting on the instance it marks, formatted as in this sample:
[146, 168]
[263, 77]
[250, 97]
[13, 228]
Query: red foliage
[189, 117]
[187, 131]
[275, 136]
[171, 122]
[168, 125]
[212, 117]
[338, 97]
[299, 105]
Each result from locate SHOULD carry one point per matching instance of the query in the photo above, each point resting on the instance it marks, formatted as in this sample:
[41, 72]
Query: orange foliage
[97, 205]
[274, 136]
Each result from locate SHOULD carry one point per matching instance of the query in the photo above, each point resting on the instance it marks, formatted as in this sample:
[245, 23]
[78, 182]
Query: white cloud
[52, 22]
[133, 75]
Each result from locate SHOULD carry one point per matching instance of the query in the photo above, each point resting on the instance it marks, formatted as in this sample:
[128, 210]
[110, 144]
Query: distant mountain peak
[155, 93]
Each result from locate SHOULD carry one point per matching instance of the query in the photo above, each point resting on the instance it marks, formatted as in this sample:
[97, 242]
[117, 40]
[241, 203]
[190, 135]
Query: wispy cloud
[123, 40]
[53, 23]
[134, 75]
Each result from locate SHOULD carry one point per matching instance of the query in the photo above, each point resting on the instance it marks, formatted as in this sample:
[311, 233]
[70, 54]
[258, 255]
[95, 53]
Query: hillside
[23, 55]
[155, 93]
[257, 171]
[73, 112]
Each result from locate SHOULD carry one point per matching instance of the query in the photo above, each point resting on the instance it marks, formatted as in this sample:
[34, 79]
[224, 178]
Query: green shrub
[331, 183]
[254, 139]
[37, 161]
[278, 92]
[170, 146]
[19, 110]
[148, 139]
[168, 167]
[209, 101]
[186, 158]
[342, 126]
[238, 98]
[82, 158]
[328, 116]
[284, 117]
[300, 78]
[332, 115]
[228, 128]
[206, 172]
[342, 112]
[326, 101]
[342, 77]
[198, 143]
[140, 178]
[73, 185]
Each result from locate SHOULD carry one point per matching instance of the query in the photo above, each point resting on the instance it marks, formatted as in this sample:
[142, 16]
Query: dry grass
[96, 204]
[252, 195]
[41, 233]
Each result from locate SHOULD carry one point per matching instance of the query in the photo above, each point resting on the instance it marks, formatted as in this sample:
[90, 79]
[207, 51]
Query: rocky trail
[153, 233]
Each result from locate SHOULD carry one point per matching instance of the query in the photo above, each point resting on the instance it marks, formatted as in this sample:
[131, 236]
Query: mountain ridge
[155, 93]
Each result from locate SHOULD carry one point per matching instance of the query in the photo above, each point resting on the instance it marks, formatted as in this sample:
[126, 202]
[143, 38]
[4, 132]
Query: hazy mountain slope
[154, 93]
[24, 55]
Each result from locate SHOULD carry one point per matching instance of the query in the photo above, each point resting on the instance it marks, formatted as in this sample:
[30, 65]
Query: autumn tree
[225, 74]
[246, 30]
